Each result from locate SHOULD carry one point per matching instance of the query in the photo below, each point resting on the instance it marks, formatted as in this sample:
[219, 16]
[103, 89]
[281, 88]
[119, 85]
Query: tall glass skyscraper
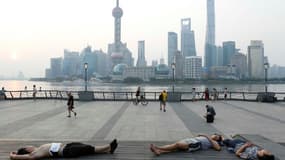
[172, 46]
[210, 46]
[187, 38]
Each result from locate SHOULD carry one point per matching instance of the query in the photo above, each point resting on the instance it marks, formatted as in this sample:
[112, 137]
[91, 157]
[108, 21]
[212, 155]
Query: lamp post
[85, 68]
[173, 72]
[266, 66]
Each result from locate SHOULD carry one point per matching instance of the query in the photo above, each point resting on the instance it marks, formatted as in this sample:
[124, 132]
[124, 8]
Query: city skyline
[33, 32]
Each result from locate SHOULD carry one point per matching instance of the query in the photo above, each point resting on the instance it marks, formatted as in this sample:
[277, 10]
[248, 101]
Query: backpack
[160, 97]
[210, 118]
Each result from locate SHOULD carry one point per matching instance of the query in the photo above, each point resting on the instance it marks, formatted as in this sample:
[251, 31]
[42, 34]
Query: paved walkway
[45, 120]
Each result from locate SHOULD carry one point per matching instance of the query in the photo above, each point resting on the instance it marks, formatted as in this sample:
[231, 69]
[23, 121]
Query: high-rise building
[102, 63]
[71, 63]
[179, 65]
[118, 51]
[56, 67]
[187, 38]
[229, 49]
[256, 60]
[141, 54]
[193, 67]
[239, 60]
[154, 63]
[219, 56]
[87, 56]
[172, 46]
[210, 46]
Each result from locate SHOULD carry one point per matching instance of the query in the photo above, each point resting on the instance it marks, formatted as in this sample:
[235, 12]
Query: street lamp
[85, 68]
[266, 67]
[173, 71]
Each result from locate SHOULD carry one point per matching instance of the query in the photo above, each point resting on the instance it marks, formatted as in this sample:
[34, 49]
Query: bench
[275, 148]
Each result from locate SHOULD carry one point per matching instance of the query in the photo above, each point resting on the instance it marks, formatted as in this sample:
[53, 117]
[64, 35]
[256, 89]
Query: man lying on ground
[56, 150]
[201, 142]
[247, 150]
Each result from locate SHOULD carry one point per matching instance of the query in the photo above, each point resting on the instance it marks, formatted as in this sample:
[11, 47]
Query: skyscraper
[187, 38]
[141, 54]
[256, 60]
[229, 49]
[172, 46]
[118, 51]
[210, 47]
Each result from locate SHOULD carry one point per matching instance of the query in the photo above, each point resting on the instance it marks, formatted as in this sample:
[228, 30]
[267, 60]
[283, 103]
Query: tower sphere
[117, 12]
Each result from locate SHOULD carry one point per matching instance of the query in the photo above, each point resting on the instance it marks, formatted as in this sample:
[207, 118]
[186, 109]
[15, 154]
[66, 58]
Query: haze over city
[34, 31]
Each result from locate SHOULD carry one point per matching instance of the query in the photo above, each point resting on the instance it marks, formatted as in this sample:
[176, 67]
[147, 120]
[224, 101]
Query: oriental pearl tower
[118, 51]
[117, 55]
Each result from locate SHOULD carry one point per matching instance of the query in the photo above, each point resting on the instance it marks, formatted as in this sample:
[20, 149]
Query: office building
[193, 67]
[188, 47]
[56, 68]
[256, 60]
[172, 46]
[229, 49]
[210, 46]
[141, 62]
[71, 64]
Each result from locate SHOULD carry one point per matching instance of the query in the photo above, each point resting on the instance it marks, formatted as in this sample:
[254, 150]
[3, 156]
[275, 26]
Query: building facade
[172, 46]
[56, 67]
[193, 67]
[144, 73]
[256, 60]
[141, 62]
[71, 64]
[188, 47]
[210, 46]
[239, 60]
[229, 49]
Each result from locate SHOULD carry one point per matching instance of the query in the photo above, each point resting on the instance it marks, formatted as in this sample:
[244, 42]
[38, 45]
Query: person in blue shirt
[200, 142]
[247, 150]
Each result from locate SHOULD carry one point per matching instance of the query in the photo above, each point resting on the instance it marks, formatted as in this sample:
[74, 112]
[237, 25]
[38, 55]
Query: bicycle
[141, 100]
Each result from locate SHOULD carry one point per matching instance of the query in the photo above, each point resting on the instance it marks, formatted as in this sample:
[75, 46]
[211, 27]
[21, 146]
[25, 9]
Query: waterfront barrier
[128, 96]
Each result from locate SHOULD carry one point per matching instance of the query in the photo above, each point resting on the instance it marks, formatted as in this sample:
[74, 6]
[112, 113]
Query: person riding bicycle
[138, 94]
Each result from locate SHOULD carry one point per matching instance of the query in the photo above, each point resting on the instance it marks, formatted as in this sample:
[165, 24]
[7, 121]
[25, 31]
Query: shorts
[76, 149]
[193, 144]
[163, 103]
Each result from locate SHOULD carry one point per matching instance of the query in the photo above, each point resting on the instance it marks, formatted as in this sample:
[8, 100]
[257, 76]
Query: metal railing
[127, 96]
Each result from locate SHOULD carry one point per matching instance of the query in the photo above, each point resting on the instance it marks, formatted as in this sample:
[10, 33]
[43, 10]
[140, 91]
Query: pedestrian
[215, 94]
[225, 93]
[40, 88]
[164, 98]
[206, 94]
[160, 101]
[138, 92]
[193, 94]
[70, 105]
[2, 93]
[34, 92]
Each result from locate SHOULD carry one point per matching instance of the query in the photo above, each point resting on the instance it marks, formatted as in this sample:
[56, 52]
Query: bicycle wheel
[144, 102]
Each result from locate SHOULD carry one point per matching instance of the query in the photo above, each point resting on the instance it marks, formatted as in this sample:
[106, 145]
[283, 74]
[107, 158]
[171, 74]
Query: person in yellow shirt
[163, 102]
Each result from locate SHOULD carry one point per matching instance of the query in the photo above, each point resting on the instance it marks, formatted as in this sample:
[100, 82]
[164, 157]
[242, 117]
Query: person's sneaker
[68, 116]
[113, 146]
[75, 114]
[160, 109]
[164, 110]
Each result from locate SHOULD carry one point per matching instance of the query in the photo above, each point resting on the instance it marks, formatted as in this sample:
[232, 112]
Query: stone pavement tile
[232, 120]
[139, 120]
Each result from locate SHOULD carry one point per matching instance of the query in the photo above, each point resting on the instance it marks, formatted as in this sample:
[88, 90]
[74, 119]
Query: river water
[97, 86]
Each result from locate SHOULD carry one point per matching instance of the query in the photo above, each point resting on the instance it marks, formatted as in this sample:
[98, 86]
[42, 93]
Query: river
[97, 86]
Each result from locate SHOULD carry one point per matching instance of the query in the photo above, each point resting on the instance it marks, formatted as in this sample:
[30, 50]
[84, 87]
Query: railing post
[114, 96]
[243, 96]
[46, 94]
[104, 95]
[20, 94]
[230, 95]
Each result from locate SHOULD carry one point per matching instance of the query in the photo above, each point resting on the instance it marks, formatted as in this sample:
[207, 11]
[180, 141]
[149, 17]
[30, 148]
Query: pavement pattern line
[192, 121]
[107, 127]
[22, 123]
[256, 113]
[15, 105]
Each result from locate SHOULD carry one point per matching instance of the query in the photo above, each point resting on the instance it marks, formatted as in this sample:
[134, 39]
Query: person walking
[225, 93]
[193, 94]
[34, 92]
[138, 92]
[3, 94]
[206, 94]
[215, 94]
[70, 105]
[164, 98]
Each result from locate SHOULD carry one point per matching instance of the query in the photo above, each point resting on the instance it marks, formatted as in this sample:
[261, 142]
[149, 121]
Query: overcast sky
[33, 31]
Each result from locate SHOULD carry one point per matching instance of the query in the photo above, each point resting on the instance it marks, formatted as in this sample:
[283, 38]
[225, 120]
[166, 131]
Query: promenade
[35, 122]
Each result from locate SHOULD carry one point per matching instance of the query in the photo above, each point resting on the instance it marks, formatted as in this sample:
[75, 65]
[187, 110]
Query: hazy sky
[33, 31]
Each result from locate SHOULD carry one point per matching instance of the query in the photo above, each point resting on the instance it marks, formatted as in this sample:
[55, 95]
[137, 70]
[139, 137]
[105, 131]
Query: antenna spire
[117, 3]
